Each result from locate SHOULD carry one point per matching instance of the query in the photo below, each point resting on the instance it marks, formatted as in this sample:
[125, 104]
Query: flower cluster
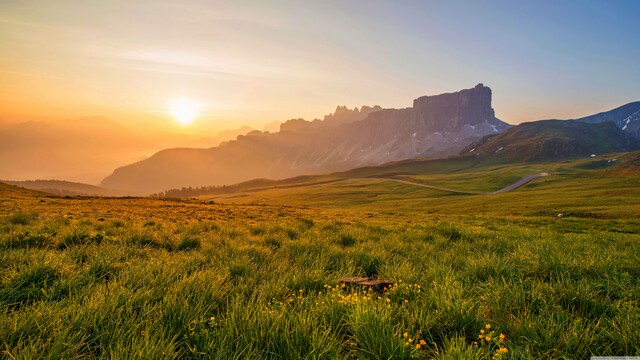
[490, 339]
[413, 341]
[400, 294]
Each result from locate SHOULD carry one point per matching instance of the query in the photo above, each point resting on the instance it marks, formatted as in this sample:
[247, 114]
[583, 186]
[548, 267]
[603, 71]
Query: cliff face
[436, 126]
[449, 112]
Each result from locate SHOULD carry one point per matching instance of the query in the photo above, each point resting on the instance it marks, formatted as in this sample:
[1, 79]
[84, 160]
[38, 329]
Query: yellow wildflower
[418, 346]
[422, 342]
[487, 338]
[503, 350]
[502, 336]
[481, 331]
[405, 334]
[488, 326]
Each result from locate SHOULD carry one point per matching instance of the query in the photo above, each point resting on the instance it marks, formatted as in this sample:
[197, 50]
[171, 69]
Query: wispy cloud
[44, 76]
[194, 63]
[163, 60]
[23, 23]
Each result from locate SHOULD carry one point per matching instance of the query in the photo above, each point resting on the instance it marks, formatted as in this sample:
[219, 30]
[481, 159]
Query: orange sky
[252, 62]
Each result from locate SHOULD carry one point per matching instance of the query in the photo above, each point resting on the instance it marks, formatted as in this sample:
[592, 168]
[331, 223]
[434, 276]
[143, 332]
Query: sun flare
[184, 110]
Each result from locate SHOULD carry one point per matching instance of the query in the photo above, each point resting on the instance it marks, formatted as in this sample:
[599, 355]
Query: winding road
[505, 189]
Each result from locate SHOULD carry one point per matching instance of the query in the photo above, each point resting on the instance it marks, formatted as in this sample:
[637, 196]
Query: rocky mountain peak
[438, 125]
[344, 115]
[451, 111]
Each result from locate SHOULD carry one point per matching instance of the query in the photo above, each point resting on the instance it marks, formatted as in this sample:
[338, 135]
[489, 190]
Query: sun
[184, 110]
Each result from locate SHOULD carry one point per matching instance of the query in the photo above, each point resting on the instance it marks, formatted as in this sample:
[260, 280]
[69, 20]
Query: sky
[253, 62]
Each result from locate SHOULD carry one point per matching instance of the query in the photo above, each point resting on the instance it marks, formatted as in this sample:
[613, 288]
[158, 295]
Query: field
[256, 275]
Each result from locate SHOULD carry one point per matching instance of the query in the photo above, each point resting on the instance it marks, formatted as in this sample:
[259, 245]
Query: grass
[188, 279]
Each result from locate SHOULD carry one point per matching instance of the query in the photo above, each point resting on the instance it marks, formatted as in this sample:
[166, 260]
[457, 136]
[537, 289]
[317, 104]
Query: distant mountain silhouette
[87, 147]
[273, 126]
[221, 137]
[62, 187]
[435, 126]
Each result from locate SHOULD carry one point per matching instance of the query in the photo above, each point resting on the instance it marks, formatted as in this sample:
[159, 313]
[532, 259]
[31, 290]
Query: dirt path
[505, 189]
[520, 182]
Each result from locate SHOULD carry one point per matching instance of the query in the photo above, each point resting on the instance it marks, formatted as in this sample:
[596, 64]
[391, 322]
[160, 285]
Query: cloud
[44, 76]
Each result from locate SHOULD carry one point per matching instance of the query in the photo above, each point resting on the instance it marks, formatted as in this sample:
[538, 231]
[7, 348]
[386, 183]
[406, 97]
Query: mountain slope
[626, 118]
[554, 139]
[62, 187]
[436, 125]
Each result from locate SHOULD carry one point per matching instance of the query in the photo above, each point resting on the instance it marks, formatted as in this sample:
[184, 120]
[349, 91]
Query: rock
[352, 280]
[378, 285]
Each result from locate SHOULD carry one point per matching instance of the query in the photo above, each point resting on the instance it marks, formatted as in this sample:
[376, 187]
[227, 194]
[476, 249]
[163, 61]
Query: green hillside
[550, 140]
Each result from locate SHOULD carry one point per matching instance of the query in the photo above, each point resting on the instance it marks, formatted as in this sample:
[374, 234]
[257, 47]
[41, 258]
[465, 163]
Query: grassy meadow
[256, 276]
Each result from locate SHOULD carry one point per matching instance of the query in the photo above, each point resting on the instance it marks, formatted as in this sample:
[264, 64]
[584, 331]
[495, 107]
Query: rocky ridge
[438, 125]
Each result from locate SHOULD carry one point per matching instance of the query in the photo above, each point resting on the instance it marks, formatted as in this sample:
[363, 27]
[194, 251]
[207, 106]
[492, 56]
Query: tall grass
[176, 287]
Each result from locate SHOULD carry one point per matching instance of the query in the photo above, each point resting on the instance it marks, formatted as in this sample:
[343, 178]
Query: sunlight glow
[184, 110]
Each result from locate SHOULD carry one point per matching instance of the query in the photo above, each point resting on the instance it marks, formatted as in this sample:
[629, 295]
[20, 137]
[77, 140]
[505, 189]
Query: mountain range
[85, 149]
[440, 125]
[62, 187]
[462, 123]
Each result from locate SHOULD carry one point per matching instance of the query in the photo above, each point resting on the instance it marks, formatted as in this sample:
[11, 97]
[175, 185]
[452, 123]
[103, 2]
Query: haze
[116, 66]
